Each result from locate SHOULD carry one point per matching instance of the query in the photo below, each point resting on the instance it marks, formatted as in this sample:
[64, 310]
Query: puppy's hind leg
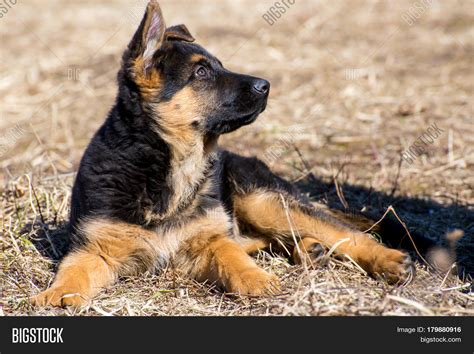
[111, 249]
[270, 206]
[274, 213]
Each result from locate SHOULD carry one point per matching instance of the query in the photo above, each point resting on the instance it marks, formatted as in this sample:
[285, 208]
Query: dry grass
[353, 86]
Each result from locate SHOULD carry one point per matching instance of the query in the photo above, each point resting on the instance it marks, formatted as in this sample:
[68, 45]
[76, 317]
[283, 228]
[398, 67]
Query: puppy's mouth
[225, 124]
[251, 117]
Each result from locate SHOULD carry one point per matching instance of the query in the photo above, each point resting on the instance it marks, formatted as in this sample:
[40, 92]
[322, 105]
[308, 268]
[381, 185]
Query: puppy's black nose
[261, 87]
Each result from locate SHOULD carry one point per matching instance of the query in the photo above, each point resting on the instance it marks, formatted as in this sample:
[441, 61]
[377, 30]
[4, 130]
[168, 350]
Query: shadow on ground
[51, 239]
[428, 221]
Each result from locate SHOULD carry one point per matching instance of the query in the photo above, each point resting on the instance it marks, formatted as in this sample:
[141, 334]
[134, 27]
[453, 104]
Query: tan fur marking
[112, 249]
[170, 241]
[149, 82]
[208, 254]
[251, 243]
[214, 257]
[189, 156]
[265, 212]
[175, 119]
[195, 58]
[359, 222]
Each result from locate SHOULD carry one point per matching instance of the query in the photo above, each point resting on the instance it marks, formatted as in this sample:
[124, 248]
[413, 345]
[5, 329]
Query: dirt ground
[354, 85]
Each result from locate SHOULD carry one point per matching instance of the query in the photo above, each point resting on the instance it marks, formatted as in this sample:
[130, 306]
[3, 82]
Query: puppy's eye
[201, 72]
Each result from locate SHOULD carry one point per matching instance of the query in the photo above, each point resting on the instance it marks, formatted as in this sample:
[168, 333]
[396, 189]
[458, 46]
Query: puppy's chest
[187, 176]
[197, 201]
[180, 195]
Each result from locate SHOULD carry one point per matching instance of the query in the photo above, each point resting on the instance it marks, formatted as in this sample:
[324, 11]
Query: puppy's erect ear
[179, 32]
[149, 36]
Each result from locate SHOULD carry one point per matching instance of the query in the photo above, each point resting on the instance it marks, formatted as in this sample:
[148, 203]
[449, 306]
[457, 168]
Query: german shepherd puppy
[153, 187]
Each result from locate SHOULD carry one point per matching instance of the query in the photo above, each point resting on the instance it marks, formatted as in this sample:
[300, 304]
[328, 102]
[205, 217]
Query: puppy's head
[185, 89]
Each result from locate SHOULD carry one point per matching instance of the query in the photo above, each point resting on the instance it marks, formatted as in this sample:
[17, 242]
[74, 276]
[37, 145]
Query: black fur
[123, 170]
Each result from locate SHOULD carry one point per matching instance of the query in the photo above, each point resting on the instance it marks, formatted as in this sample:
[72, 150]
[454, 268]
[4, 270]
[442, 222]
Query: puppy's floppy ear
[149, 36]
[179, 32]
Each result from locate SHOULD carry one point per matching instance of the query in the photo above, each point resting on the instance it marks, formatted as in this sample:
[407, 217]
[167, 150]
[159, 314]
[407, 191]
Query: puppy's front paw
[59, 296]
[254, 281]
